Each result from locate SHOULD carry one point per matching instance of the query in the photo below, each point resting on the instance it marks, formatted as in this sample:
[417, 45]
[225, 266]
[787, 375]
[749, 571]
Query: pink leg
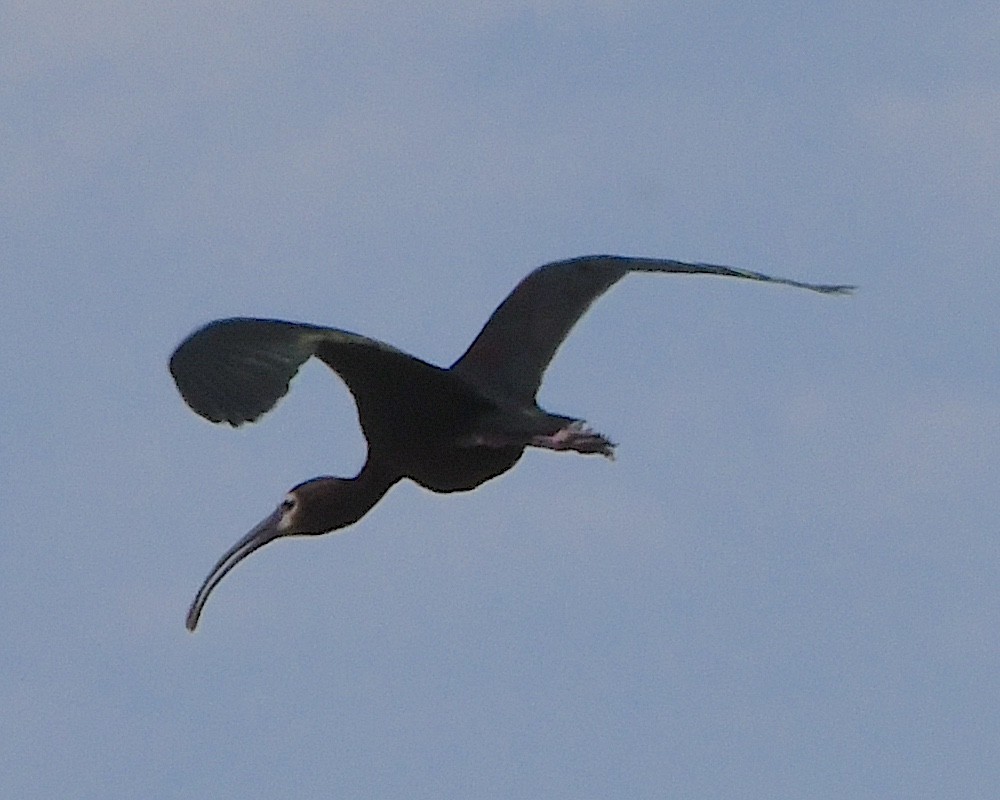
[578, 437]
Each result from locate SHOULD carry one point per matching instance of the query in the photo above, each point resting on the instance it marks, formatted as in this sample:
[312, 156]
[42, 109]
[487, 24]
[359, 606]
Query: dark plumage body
[446, 429]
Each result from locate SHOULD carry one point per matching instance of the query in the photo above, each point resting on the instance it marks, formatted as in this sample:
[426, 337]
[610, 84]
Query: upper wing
[234, 370]
[509, 356]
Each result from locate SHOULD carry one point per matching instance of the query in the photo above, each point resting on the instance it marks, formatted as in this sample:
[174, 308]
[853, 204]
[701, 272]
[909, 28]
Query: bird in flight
[448, 429]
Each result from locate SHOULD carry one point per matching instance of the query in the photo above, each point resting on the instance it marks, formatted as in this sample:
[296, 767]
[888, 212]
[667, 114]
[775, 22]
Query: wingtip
[845, 289]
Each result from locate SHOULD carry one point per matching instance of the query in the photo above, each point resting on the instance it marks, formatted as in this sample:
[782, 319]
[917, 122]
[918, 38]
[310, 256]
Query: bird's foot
[577, 437]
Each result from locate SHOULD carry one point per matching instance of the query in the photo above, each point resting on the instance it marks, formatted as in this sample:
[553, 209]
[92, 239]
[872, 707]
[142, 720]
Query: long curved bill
[265, 531]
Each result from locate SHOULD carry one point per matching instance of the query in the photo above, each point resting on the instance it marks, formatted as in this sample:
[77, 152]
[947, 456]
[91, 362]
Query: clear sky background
[787, 584]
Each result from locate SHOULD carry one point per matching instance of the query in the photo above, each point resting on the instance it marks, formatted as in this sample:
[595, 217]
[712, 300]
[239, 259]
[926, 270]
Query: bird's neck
[371, 484]
[357, 496]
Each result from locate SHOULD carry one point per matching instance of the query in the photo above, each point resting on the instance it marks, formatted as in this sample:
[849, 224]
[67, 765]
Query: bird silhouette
[448, 430]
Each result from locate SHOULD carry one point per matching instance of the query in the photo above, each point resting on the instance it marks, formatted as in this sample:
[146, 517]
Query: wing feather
[509, 357]
[235, 370]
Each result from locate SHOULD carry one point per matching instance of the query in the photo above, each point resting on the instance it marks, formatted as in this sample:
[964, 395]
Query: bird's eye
[287, 504]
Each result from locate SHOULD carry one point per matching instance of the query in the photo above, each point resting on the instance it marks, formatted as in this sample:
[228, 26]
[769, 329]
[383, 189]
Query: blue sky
[785, 586]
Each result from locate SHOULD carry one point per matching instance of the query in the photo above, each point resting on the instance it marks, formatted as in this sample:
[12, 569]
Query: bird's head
[311, 508]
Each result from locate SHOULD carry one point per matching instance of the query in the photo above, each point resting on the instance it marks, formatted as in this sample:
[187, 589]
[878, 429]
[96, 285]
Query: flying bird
[448, 429]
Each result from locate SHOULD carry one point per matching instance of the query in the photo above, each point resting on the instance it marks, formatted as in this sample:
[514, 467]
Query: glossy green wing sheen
[511, 353]
[234, 370]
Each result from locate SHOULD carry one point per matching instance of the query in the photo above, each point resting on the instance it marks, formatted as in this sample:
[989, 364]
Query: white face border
[287, 509]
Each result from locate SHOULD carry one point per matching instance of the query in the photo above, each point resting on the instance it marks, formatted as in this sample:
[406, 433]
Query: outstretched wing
[511, 353]
[234, 370]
